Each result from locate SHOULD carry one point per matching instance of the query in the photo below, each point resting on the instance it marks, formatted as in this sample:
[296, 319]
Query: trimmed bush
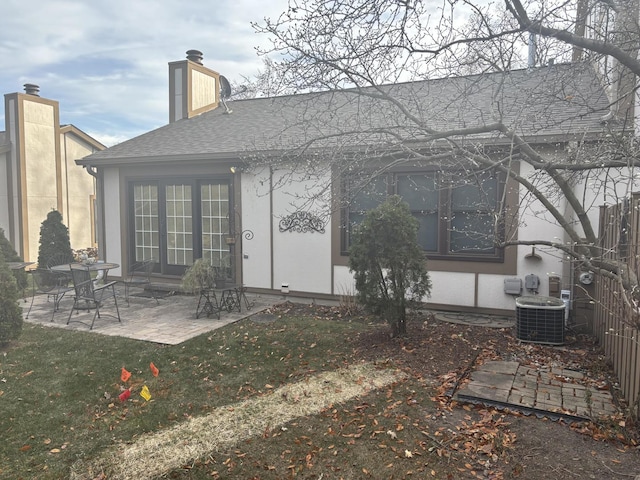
[389, 264]
[54, 239]
[10, 310]
[10, 255]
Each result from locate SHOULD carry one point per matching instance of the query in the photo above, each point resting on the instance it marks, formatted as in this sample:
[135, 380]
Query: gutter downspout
[99, 213]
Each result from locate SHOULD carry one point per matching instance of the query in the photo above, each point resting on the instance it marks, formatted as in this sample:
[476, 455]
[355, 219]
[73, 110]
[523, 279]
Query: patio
[171, 321]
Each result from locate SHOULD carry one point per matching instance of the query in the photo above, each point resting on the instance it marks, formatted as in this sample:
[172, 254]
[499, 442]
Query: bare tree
[359, 49]
[268, 82]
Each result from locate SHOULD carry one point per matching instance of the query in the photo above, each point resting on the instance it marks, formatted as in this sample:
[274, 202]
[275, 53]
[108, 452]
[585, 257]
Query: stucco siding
[451, 288]
[113, 235]
[343, 282]
[77, 189]
[301, 259]
[491, 293]
[256, 217]
[4, 193]
[40, 169]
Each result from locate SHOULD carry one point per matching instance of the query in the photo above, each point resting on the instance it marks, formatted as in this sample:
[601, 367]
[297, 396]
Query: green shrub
[10, 310]
[54, 239]
[10, 255]
[199, 276]
[388, 263]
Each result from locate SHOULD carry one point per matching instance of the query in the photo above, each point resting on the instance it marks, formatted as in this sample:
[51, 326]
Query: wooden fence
[614, 318]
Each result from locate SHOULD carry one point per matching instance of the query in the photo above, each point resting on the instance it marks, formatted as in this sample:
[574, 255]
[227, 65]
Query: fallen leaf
[408, 454]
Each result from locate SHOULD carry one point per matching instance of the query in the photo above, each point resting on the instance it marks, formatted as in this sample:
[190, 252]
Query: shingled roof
[545, 104]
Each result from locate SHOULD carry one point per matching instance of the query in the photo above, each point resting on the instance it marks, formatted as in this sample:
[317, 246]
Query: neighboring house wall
[36, 140]
[4, 189]
[78, 188]
[39, 174]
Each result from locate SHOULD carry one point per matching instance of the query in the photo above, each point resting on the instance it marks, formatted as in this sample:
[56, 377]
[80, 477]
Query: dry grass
[159, 453]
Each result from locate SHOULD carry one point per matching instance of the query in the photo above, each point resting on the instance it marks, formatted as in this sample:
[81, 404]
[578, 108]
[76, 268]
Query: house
[273, 183]
[38, 173]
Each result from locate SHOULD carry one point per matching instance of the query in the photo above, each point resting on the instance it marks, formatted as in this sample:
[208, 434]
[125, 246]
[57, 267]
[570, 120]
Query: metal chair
[61, 259]
[140, 277]
[46, 282]
[88, 296]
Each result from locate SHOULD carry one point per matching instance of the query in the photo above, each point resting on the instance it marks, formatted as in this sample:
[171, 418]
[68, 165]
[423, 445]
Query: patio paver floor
[170, 322]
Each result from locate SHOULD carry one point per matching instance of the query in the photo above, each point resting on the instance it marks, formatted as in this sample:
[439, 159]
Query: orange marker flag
[125, 375]
[154, 369]
[144, 393]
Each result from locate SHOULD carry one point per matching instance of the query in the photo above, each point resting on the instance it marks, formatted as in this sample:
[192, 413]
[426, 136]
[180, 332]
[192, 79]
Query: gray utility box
[513, 286]
[540, 319]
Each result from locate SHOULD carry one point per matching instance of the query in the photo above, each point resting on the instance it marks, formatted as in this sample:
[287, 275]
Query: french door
[176, 221]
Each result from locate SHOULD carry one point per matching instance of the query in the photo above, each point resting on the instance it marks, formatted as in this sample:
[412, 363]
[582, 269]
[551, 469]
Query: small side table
[215, 300]
[208, 303]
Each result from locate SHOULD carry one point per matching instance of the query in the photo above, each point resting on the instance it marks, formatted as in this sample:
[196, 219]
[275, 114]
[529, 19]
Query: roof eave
[231, 157]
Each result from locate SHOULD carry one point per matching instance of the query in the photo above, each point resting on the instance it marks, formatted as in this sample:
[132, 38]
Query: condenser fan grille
[540, 320]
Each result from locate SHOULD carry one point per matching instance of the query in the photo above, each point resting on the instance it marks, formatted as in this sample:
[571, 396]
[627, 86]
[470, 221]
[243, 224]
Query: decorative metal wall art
[301, 222]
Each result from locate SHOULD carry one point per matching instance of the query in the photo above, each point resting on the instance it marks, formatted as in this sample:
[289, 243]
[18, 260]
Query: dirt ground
[534, 448]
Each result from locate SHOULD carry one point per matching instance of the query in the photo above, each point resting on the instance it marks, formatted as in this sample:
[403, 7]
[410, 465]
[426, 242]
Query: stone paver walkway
[554, 390]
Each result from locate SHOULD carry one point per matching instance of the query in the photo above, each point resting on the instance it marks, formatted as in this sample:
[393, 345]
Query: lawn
[308, 395]
[61, 410]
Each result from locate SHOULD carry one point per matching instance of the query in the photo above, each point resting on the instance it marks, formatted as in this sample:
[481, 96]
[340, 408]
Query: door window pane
[178, 208]
[214, 198]
[145, 199]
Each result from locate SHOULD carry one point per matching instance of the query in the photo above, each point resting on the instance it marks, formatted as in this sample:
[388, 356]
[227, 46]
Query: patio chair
[140, 277]
[46, 282]
[61, 259]
[88, 296]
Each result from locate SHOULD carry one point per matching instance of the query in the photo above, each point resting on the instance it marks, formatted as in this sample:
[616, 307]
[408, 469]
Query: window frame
[444, 187]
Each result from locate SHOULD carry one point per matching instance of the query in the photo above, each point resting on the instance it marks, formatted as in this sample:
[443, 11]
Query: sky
[106, 62]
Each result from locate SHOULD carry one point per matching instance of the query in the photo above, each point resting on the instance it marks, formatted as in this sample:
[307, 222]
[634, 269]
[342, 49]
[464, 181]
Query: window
[456, 210]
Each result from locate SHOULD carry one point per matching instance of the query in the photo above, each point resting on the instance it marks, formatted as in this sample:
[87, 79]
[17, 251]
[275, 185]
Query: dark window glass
[421, 194]
[473, 202]
[457, 211]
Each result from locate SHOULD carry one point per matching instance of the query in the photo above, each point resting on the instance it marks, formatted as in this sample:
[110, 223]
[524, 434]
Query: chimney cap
[32, 89]
[194, 56]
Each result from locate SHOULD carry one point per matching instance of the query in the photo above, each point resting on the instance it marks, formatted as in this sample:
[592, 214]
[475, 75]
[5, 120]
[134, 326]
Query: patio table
[93, 267]
[19, 265]
[214, 300]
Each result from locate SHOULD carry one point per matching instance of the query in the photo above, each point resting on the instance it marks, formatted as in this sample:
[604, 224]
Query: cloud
[107, 62]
